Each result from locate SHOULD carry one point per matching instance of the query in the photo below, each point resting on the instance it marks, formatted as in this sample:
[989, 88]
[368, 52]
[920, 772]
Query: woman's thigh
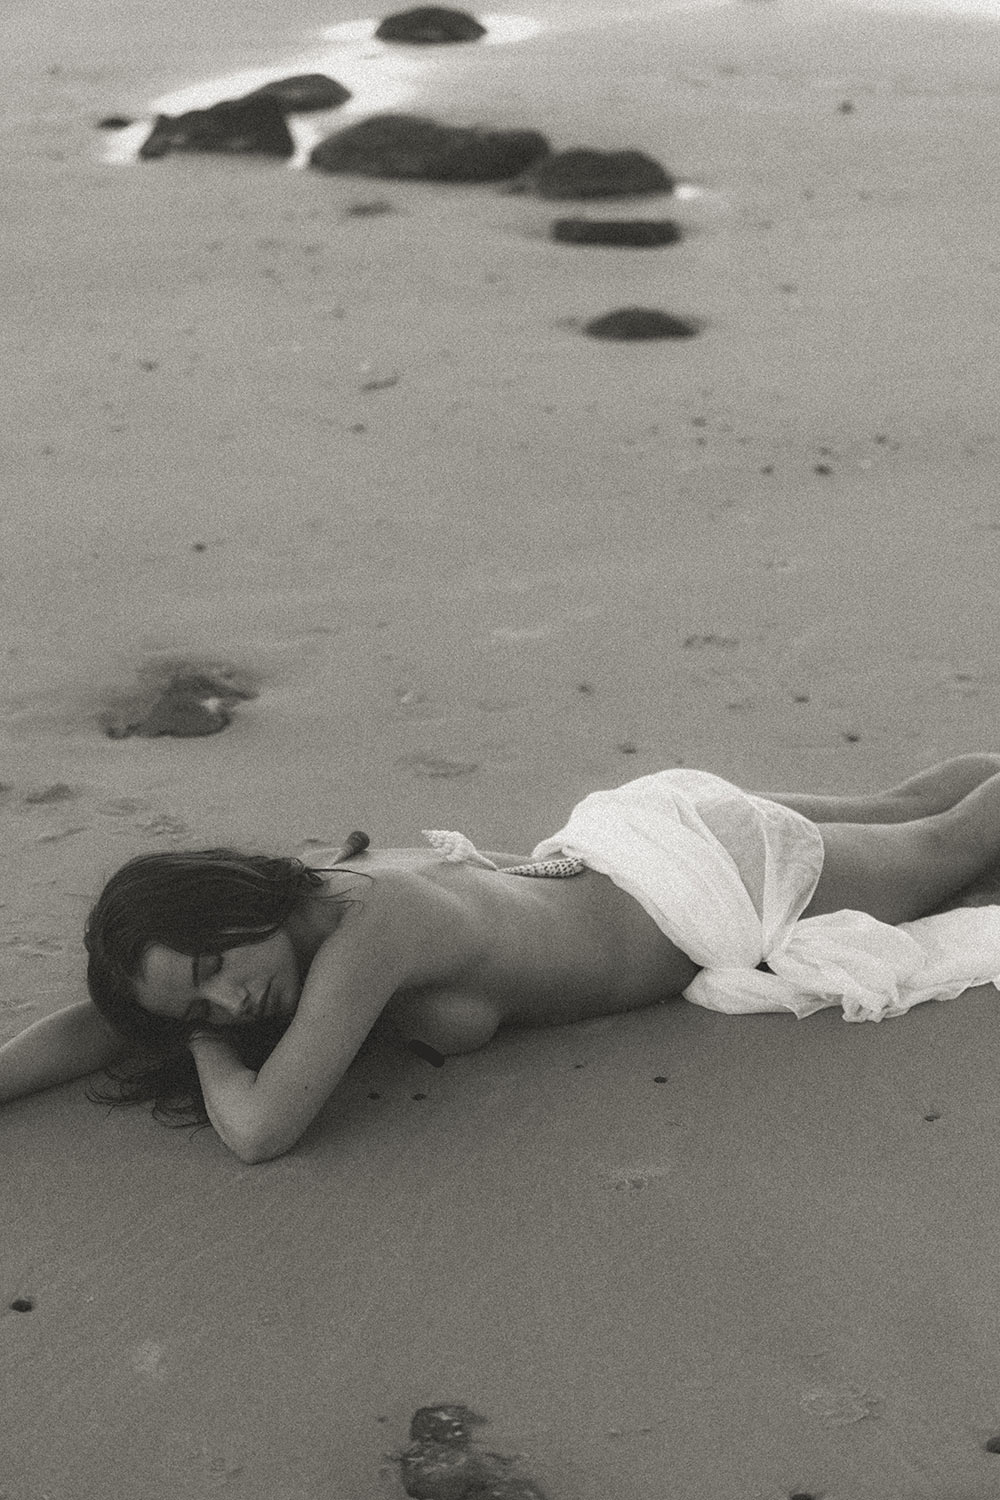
[895, 872]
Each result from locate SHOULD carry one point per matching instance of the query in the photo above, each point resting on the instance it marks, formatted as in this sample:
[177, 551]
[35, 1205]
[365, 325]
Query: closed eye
[202, 968]
[205, 966]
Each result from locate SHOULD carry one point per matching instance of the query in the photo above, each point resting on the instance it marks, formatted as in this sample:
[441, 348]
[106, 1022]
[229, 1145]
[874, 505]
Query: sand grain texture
[475, 565]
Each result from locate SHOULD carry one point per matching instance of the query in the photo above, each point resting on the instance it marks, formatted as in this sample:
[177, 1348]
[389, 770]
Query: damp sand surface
[347, 441]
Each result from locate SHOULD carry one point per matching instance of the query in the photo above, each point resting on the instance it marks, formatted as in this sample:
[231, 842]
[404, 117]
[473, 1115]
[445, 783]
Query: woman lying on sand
[248, 983]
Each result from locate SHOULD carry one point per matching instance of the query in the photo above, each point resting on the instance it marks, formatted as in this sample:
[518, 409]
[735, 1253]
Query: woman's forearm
[70, 1044]
[228, 1089]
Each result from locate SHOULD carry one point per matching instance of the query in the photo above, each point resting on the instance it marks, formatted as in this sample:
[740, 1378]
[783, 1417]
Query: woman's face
[254, 982]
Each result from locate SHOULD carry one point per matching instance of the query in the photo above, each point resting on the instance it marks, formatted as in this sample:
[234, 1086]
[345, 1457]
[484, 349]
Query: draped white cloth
[727, 875]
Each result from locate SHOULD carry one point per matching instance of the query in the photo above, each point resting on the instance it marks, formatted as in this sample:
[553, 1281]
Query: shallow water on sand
[386, 76]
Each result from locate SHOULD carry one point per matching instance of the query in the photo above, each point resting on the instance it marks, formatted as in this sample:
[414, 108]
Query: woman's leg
[898, 872]
[931, 791]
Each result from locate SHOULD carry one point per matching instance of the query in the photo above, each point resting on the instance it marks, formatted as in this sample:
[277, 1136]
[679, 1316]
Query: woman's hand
[227, 1087]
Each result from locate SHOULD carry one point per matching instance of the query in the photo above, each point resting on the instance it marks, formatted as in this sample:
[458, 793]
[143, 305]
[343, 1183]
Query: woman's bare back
[485, 949]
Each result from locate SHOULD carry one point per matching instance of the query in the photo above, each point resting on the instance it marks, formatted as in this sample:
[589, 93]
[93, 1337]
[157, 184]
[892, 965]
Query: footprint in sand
[423, 764]
[58, 791]
[840, 1405]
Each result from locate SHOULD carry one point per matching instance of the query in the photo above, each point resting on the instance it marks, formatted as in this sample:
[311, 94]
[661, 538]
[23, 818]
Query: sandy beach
[476, 564]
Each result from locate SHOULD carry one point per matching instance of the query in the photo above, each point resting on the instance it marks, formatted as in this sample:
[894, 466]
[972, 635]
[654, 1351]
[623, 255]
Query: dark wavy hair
[196, 902]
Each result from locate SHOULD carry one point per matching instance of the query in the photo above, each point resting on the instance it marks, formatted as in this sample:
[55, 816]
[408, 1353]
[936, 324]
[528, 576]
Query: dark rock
[411, 146]
[302, 92]
[641, 234]
[233, 125]
[584, 173]
[451, 1423]
[114, 122]
[442, 1471]
[435, 1471]
[182, 699]
[443, 1463]
[640, 323]
[176, 712]
[430, 23]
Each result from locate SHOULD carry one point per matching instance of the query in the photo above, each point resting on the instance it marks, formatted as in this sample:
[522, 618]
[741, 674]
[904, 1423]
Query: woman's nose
[230, 997]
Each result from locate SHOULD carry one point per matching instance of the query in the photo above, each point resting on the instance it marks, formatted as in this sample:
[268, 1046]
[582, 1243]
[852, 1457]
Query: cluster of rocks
[416, 148]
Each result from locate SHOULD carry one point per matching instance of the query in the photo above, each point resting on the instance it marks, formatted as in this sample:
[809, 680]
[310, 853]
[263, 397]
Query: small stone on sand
[640, 323]
[302, 93]
[430, 24]
[638, 234]
[586, 173]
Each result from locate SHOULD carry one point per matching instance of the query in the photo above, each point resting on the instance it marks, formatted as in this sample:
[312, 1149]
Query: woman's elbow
[254, 1148]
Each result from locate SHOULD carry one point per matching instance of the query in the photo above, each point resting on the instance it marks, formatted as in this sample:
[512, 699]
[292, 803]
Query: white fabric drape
[727, 875]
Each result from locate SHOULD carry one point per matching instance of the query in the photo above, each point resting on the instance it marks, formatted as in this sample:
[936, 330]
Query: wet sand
[476, 564]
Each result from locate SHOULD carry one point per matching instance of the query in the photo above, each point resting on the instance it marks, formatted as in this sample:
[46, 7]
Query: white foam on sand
[380, 75]
[978, 8]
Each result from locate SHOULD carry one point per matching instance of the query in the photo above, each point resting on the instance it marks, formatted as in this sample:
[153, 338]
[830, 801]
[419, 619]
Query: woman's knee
[942, 786]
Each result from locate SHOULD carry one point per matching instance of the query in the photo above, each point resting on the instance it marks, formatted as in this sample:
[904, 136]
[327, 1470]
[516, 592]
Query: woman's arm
[70, 1044]
[351, 980]
[226, 1085]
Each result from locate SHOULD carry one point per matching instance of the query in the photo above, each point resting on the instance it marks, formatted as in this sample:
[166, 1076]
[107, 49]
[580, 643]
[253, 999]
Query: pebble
[639, 234]
[303, 92]
[430, 24]
[585, 173]
[640, 323]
